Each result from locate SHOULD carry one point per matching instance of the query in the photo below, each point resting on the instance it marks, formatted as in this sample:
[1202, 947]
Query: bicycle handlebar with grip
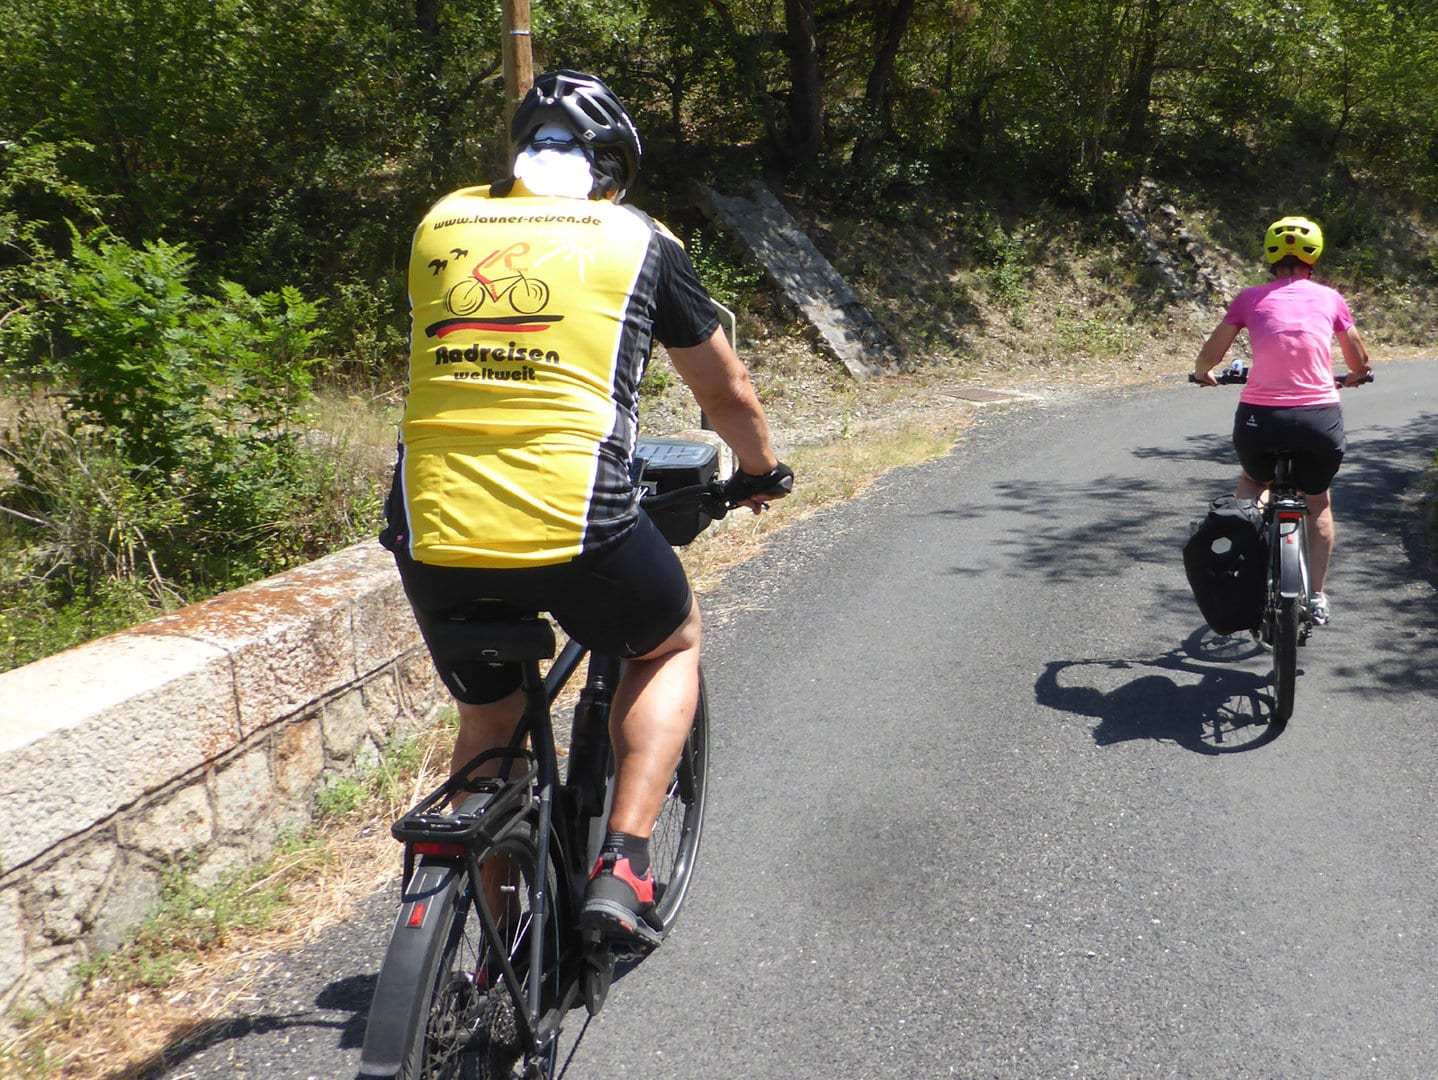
[718, 497]
[742, 485]
[1239, 375]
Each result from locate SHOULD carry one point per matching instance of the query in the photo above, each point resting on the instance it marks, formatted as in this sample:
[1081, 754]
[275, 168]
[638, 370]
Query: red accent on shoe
[620, 868]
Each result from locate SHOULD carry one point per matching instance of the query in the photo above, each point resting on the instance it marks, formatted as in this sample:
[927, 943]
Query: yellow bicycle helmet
[1293, 236]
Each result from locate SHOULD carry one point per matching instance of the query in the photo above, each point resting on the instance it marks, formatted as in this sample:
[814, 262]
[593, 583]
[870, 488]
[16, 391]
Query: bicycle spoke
[674, 843]
[472, 1028]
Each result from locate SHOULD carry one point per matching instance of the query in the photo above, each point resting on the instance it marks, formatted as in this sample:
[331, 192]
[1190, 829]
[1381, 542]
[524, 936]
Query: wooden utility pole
[518, 58]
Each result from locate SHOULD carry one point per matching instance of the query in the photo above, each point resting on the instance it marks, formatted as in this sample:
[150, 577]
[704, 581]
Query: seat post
[536, 720]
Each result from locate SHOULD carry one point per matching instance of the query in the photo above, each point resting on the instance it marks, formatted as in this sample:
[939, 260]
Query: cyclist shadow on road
[1191, 695]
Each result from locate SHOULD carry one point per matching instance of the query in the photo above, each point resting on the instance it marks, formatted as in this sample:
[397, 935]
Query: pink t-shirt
[1290, 323]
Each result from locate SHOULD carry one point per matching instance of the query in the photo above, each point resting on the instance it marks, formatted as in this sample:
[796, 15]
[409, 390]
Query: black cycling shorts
[1313, 432]
[624, 599]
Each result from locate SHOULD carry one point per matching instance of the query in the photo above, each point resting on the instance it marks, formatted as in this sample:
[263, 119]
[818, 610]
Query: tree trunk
[876, 90]
[1138, 90]
[800, 145]
[426, 19]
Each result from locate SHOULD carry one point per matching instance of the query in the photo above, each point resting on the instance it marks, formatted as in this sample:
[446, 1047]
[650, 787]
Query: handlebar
[717, 497]
[1237, 372]
[710, 498]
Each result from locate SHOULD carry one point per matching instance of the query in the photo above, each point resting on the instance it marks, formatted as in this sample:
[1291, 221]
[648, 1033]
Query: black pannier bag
[1226, 563]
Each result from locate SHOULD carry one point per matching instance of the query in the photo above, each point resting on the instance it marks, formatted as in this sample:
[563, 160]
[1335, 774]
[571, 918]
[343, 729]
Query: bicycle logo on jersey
[524, 294]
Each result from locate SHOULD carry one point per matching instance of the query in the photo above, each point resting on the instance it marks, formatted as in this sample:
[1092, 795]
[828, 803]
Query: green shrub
[1009, 268]
[175, 375]
[340, 798]
[170, 459]
[33, 191]
[728, 280]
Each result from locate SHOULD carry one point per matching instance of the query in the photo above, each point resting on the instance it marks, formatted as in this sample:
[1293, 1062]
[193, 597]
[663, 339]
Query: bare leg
[1320, 538]
[1320, 528]
[485, 727]
[489, 727]
[1249, 488]
[652, 713]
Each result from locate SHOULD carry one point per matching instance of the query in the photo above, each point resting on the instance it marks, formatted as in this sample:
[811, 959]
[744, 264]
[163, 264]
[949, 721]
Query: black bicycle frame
[580, 799]
[428, 831]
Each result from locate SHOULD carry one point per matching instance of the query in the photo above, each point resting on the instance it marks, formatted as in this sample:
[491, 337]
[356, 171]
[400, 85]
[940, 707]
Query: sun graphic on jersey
[579, 252]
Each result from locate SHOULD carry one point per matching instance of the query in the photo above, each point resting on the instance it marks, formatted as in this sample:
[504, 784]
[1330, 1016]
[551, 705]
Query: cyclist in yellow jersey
[534, 304]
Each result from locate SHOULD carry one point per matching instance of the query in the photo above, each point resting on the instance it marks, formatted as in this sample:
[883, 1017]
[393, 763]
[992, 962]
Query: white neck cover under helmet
[553, 164]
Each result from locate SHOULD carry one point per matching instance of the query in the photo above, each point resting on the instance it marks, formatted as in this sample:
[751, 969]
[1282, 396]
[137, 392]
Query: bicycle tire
[466, 297]
[463, 1019]
[528, 296]
[1285, 659]
[674, 844]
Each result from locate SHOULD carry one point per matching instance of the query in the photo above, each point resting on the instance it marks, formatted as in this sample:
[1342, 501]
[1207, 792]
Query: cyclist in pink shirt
[1290, 399]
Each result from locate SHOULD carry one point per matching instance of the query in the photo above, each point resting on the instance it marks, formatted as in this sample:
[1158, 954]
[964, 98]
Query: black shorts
[1313, 432]
[624, 599]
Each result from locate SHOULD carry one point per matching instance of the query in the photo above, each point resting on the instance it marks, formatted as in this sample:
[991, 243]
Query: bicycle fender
[1292, 581]
[396, 1007]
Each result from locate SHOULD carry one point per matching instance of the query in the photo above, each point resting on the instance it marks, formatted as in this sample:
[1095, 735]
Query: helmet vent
[1295, 236]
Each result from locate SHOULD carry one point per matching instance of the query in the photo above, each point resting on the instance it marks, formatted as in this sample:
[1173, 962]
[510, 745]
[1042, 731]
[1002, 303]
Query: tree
[892, 21]
[804, 137]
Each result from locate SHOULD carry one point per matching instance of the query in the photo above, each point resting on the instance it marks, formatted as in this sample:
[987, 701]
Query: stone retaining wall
[203, 735]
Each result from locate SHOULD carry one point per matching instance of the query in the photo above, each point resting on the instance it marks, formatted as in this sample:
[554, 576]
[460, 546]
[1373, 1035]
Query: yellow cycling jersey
[532, 319]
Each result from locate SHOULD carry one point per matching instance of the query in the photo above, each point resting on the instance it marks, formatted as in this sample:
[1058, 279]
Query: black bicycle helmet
[585, 107]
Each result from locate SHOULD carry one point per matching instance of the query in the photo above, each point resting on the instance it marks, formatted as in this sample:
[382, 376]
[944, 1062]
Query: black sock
[633, 848]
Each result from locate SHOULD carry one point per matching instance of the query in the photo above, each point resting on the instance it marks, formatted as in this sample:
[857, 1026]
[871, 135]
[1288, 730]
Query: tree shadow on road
[1191, 695]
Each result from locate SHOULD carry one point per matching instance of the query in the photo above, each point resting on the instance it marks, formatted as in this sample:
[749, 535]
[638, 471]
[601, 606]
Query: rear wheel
[1285, 658]
[471, 1029]
[674, 844]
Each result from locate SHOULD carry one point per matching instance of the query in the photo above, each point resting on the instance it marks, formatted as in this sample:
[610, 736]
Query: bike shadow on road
[178, 1058]
[237, 1040]
[1192, 695]
[341, 1006]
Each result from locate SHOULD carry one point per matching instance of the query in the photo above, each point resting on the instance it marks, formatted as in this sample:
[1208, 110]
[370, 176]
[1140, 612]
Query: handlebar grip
[743, 485]
[1235, 373]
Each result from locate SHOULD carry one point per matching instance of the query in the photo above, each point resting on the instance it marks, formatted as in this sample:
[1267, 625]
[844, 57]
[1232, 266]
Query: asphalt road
[988, 803]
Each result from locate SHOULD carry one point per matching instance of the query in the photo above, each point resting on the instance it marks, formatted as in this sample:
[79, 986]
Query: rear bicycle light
[439, 850]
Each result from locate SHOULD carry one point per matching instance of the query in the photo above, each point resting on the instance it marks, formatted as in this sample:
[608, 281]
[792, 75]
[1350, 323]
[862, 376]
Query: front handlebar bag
[665, 465]
[1226, 563]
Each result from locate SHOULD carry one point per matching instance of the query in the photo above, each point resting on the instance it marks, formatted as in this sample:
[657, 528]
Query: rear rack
[495, 801]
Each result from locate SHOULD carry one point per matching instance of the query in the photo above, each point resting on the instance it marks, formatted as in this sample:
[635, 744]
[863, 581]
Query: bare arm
[720, 384]
[1355, 355]
[1211, 355]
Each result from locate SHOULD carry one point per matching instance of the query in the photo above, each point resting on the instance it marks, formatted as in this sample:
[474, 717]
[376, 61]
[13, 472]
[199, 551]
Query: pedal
[597, 976]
